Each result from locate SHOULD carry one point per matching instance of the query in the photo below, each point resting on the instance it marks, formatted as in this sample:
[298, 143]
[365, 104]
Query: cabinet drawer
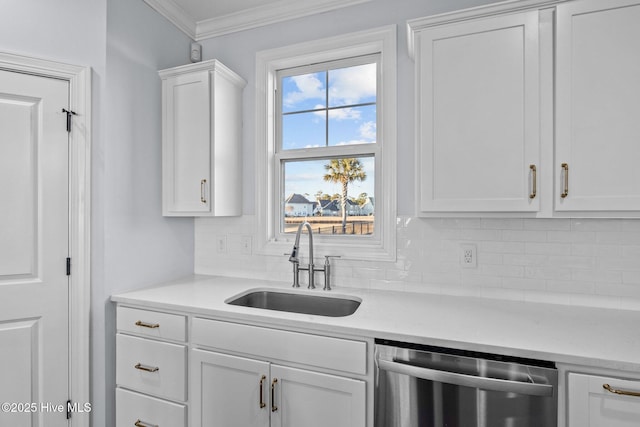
[160, 367]
[273, 344]
[133, 407]
[152, 323]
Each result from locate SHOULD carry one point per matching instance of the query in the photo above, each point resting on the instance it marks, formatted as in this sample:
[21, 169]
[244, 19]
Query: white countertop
[578, 335]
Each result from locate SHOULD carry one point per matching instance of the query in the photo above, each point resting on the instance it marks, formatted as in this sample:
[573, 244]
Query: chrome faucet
[293, 258]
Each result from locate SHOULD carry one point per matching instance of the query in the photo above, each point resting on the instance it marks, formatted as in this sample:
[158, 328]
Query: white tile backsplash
[593, 262]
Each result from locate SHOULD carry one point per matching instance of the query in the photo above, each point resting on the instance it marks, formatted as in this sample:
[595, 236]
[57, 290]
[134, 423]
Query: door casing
[79, 79]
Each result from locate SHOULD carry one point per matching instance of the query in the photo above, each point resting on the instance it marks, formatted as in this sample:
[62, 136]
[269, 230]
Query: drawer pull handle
[274, 408]
[262, 404]
[565, 168]
[534, 184]
[146, 368]
[622, 392]
[147, 325]
[143, 424]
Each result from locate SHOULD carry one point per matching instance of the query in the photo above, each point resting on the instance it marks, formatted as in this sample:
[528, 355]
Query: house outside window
[326, 149]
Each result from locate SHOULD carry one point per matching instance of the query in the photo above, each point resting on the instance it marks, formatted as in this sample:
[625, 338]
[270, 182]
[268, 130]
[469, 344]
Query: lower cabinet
[236, 391]
[181, 370]
[599, 401]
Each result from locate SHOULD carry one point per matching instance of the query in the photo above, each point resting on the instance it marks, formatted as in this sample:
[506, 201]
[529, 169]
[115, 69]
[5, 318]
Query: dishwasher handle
[492, 384]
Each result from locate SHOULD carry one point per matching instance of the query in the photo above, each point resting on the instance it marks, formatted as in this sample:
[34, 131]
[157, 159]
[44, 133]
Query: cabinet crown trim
[510, 6]
[212, 65]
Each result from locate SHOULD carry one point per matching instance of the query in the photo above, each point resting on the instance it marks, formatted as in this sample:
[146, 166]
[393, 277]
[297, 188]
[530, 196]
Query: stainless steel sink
[331, 306]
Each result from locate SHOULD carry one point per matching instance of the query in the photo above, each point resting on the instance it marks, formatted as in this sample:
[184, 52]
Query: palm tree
[344, 171]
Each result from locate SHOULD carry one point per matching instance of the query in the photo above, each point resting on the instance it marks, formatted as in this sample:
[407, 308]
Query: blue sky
[348, 124]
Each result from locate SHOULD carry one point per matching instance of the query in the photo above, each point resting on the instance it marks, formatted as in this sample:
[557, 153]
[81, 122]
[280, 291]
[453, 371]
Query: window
[324, 111]
[326, 144]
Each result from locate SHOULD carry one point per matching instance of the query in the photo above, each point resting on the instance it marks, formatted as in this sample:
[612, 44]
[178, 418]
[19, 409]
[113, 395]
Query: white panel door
[478, 120]
[598, 125]
[311, 399]
[591, 405]
[228, 391]
[34, 235]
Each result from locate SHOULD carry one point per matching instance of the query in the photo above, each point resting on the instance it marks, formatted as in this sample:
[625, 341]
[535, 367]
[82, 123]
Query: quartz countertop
[595, 337]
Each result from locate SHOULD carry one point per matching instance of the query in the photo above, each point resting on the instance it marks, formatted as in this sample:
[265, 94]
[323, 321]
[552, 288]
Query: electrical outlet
[468, 255]
[221, 244]
[245, 245]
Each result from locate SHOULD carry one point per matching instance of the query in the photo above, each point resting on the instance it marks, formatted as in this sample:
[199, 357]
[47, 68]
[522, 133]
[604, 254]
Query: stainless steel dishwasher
[424, 386]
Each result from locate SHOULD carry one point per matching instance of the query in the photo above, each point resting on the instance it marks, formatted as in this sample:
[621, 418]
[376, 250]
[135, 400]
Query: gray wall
[125, 42]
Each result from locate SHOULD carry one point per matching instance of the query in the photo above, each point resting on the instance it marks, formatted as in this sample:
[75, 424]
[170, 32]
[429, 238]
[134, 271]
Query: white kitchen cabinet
[505, 87]
[150, 370]
[590, 404]
[275, 378]
[201, 140]
[597, 92]
[231, 390]
[477, 116]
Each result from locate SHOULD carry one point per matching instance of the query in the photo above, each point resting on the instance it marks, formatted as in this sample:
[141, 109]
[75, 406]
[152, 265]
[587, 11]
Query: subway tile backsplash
[590, 262]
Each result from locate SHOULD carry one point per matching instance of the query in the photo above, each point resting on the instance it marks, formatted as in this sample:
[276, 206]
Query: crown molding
[176, 15]
[279, 11]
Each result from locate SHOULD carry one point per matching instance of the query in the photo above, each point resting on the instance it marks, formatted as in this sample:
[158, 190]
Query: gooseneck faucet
[293, 258]
[296, 261]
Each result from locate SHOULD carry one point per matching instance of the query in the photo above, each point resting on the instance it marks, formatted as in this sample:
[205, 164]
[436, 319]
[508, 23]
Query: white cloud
[368, 130]
[356, 142]
[309, 87]
[351, 85]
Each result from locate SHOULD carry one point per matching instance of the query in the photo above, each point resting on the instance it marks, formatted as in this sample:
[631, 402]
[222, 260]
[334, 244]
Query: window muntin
[328, 112]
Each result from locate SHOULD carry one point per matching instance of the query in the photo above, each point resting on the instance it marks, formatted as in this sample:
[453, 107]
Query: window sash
[326, 152]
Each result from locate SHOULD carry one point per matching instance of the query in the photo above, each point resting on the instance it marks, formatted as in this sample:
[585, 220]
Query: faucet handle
[327, 258]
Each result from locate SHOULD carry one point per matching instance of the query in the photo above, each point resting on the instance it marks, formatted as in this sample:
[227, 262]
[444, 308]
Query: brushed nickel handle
[274, 408]
[621, 392]
[140, 423]
[147, 325]
[534, 180]
[262, 404]
[146, 368]
[203, 185]
[565, 168]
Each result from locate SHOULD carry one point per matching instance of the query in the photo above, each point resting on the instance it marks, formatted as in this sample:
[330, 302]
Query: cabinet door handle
[274, 408]
[534, 179]
[203, 189]
[262, 404]
[146, 368]
[565, 168]
[140, 423]
[621, 392]
[147, 325]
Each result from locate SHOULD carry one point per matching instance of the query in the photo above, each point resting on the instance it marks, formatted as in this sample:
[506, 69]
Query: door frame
[79, 79]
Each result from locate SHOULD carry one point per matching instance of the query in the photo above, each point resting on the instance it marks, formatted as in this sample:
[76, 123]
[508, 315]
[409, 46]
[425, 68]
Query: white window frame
[380, 246]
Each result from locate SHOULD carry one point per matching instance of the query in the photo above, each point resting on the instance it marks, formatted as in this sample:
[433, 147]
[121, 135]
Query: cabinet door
[591, 405]
[597, 84]
[478, 115]
[226, 391]
[186, 140]
[311, 399]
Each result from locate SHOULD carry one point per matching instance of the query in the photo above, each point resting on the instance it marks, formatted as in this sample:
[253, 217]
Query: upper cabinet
[201, 140]
[478, 125]
[597, 105]
[529, 108]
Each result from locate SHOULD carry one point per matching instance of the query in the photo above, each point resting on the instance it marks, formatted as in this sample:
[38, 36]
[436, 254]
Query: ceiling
[202, 19]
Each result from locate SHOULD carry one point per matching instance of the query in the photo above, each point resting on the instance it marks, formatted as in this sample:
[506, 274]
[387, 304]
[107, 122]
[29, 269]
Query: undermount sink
[331, 306]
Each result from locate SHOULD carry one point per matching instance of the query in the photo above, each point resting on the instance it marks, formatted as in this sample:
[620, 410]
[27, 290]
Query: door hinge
[68, 266]
[69, 114]
[69, 409]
